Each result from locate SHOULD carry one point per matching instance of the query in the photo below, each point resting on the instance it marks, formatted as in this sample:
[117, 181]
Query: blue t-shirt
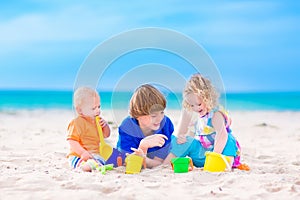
[130, 135]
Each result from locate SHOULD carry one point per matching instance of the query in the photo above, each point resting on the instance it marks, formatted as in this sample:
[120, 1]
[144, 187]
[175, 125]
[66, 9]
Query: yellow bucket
[133, 164]
[215, 162]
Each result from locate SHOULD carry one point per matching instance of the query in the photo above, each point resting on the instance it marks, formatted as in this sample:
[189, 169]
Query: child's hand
[138, 151]
[181, 139]
[154, 141]
[102, 122]
[85, 156]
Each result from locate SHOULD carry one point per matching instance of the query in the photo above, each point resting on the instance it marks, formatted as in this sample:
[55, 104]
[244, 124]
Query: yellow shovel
[105, 149]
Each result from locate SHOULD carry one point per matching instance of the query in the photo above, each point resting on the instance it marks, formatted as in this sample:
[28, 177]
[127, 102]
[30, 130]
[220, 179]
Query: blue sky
[255, 44]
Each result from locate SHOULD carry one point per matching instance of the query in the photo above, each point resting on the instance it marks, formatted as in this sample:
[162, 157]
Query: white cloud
[73, 23]
[235, 26]
[223, 23]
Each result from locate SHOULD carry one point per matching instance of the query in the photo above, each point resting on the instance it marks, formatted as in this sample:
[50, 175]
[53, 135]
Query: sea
[50, 99]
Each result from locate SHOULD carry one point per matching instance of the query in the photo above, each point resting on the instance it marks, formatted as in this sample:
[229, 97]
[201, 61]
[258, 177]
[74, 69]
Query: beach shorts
[76, 162]
[196, 151]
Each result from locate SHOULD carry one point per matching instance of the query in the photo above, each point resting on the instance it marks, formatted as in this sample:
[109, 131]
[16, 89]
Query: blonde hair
[146, 100]
[203, 88]
[83, 95]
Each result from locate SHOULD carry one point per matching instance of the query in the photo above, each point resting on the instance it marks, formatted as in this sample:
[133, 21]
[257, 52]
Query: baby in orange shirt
[82, 135]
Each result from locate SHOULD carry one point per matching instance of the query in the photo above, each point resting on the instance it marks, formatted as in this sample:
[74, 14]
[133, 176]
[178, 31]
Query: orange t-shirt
[84, 131]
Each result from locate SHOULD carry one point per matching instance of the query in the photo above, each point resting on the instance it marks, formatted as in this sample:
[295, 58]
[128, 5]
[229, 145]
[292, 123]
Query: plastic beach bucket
[181, 164]
[133, 164]
[215, 162]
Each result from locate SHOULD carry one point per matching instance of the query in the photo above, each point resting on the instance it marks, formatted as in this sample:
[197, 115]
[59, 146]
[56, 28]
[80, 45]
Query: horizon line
[108, 90]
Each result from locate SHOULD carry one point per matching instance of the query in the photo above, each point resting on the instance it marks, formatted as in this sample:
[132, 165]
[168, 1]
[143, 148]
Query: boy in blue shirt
[147, 131]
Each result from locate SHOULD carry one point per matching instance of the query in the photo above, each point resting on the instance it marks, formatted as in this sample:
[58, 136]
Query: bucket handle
[228, 168]
[191, 165]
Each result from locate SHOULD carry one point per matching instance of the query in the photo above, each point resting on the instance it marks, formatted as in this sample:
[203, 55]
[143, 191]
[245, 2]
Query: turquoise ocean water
[23, 99]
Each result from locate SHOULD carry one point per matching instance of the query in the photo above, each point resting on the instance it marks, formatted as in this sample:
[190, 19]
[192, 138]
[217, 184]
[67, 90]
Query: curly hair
[146, 100]
[202, 87]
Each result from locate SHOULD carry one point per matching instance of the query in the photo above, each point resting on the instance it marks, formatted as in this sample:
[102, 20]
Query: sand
[33, 163]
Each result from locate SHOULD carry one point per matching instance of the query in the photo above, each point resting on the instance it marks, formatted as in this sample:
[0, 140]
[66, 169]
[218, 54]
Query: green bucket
[181, 164]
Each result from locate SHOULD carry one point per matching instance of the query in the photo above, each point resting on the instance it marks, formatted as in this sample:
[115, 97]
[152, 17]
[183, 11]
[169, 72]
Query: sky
[255, 45]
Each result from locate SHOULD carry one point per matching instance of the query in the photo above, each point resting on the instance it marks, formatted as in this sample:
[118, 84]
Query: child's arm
[153, 162]
[183, 124]
[105, 128]
[218, 123]
[149, 142]
[78, 149]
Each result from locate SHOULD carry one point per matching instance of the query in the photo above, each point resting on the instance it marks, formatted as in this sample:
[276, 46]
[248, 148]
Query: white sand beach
[33, 163]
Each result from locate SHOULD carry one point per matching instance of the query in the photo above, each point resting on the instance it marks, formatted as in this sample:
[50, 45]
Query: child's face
[152, 121]
[91, 107]
[197, 105]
